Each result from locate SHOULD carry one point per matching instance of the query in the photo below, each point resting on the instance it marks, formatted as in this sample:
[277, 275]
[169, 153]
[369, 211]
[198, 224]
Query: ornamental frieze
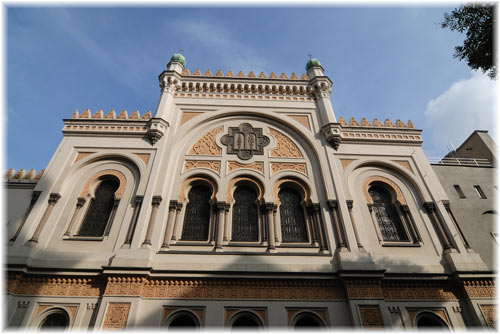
[213, 165]
[62, 286]
[245, 141]
[277, 167]
[480, 289]
[257, 166]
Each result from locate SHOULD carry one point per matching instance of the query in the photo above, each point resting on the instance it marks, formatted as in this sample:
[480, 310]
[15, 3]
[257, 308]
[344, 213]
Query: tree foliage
[476, 20]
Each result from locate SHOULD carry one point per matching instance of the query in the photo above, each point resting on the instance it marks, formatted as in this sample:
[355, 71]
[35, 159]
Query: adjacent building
[242, 200]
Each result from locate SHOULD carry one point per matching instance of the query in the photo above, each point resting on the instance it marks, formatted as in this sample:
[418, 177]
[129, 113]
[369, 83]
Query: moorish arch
[384, 166]
[205, 151]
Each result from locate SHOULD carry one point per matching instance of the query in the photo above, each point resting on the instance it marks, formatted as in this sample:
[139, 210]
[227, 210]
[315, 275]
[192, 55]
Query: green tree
[477, 21]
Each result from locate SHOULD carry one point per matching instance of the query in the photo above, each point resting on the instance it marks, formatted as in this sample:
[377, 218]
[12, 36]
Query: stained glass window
[99, 210]
[197, 217]
[387, 215]
[293, 225]
[245, 215]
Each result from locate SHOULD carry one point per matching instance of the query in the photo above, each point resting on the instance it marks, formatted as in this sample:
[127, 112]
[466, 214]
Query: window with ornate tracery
[245, 215]
[293, 224]
[387, 215]
[99, 210]
[197, 216]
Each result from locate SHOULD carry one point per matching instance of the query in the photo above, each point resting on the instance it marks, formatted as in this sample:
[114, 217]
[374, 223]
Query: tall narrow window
[245, 215]
[293, 225]
[99, 210]
[459, 191]
[387, 215]
[197, 217]
[479, 192]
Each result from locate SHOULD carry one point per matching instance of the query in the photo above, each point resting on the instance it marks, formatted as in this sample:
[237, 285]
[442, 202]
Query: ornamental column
[53, 198]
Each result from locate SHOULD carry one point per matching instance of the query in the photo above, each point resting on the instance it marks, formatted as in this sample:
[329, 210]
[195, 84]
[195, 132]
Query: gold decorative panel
[188, 115]
[302, 119]
[208, 164]
[257, 166]
[206, 145]
[144, 157]
[405, 164]
[116, 316]
[285, 147]
[82, 155]
[277, 167]
[490, 314]
[370, 316]
[345, 162]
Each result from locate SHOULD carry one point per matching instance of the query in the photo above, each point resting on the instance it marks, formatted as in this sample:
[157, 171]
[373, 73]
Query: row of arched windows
[57, 319]
[247, 212]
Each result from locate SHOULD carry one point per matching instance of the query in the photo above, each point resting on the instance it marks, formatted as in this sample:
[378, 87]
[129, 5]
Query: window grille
[99, 210]
[245, 215]
[197, 216]
[387, 215]
[293, 225]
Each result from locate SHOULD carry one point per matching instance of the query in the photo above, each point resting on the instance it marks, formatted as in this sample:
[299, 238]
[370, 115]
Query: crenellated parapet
[109, 123]
[240, 86]
[22, 176]
[240, 74]
[123, 115]
[376, 123]
[376, 131]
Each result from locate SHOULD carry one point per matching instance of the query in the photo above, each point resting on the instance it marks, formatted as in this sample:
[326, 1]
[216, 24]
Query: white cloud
[218, 40]
[466, 106]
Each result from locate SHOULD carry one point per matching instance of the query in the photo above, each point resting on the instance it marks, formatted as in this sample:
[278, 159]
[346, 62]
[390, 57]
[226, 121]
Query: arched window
[293, 224]
[183, 319]
[306, 319]
[57, 319]
[429, 320]
[245, 215]
[99, 210]
[387, 215]
[246, 319]
[197, 216]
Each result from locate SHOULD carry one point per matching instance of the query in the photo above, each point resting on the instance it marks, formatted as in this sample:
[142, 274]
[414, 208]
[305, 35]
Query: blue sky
[385, 62]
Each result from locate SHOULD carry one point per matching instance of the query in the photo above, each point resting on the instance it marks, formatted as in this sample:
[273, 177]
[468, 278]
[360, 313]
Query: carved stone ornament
[245, 141]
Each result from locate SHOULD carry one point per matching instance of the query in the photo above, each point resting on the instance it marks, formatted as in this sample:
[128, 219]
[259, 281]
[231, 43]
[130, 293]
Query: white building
[243, 200]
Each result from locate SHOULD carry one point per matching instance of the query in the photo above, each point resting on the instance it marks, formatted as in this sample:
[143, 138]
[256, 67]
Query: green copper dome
[178, 58]
[311, 63]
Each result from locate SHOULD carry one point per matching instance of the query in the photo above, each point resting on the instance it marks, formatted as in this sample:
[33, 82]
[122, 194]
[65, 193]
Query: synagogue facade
[242, 200]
